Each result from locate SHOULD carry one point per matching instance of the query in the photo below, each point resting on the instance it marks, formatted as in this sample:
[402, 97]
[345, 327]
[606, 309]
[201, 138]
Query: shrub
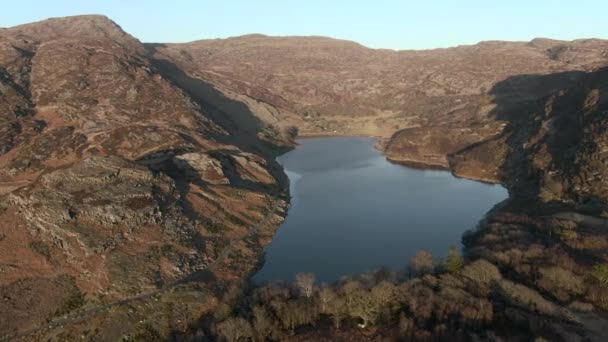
[559, 278]
[233, 329]
[214, 227]
[41, 248]
[73, 302]
[600, 273]
[167, 250]
[482, 271]
[145, 332]
[482, 275]
[565, 233]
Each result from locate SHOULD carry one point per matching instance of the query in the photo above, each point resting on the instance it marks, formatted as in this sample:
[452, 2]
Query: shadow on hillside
[235, 117]
[546, 119]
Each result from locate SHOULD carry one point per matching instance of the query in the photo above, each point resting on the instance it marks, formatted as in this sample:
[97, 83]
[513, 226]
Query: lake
[353, 211]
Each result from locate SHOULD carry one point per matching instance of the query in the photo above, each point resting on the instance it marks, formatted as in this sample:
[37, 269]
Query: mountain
[138, 184]
[328, 86]
[117, 183]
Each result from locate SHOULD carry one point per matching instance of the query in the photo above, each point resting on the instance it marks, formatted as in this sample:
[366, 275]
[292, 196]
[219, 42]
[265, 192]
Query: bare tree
[350, 288]
[305, 282]
[369, 304]
[364, 306]
[337, 309]
[263, 324]
[422, 262]
[233, 329]
[326, 296]
[296, 312]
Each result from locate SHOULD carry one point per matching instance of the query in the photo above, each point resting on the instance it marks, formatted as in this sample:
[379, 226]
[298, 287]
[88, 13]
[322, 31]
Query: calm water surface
[353, 211]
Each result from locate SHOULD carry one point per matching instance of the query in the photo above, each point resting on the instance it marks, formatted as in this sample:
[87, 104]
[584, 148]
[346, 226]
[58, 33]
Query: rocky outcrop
[252, 168]
[201, 166]
[94, 180]
[108, 192]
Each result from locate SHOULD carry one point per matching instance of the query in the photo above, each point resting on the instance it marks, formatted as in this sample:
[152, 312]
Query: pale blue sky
[396, 24]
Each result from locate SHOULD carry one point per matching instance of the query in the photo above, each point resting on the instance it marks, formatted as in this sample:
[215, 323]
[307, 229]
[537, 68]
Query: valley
[139, 184]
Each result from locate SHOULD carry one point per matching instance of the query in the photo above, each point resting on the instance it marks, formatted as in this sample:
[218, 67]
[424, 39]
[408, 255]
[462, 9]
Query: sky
[390, 24]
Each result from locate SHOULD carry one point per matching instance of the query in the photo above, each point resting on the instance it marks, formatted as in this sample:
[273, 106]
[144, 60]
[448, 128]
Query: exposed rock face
[252, 168]
[99, 184]
[202, 166]
[98, 191]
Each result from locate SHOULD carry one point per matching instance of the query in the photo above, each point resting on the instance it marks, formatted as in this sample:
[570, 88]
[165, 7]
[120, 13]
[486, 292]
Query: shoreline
[411, 163]
[417, 164]
[330, 135]
[479, 179]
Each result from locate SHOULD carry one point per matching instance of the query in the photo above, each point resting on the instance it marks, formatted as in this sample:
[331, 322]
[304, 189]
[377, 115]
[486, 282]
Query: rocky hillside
[531, 115]
[468, 108]
[328, 86]
[553, 146]
[116, 183]
[138, 185]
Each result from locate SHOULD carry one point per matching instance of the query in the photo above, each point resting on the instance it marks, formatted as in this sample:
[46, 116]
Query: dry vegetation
[131, 170]
[518, 283]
